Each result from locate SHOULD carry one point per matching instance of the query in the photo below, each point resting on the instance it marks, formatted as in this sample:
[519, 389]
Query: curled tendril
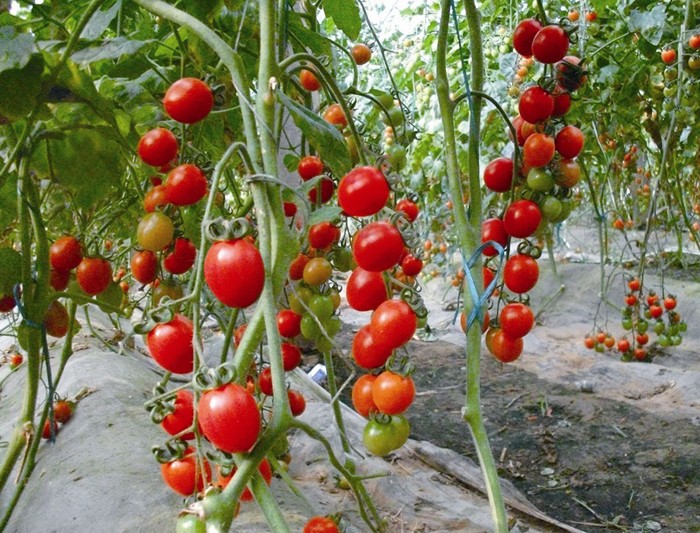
[334, 285]
[525, 247]
[565, 193]
[172, 449]
[221, 229]
[164, 313]
[211, 378]
[416, 302]
[144, 326]
[219, 91]
[408, 233]
[160, 410]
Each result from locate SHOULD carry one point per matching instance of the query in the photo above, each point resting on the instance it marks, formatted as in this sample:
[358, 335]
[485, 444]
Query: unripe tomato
[155, 197]
[155, 231]
[317, 271]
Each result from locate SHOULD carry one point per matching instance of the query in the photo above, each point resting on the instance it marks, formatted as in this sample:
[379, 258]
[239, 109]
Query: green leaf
[346, 15]
[324, 137]
[10, 270]
[86, 161]
[324, 214]
[100, 21]
[291, 162]
[20, 89]
[110, 49]
[649, 23]
[8, 201]
[15, 49]
[313, 41]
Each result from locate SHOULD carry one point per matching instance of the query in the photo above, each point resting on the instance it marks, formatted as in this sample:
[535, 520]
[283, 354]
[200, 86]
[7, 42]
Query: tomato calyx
[173, 450]
[526, 247]
[221, 229]
[211, 378]
[400, 365]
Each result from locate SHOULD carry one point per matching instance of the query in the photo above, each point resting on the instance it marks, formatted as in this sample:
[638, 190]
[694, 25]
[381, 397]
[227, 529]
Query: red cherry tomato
[538, 150]
[367, 352]
[170, 345]
[309, 167]
[378, 246]
[522, 218]
[363, 191]
[182, 416]
[240, 260]
[144, 266]
[155, 197]
[182, 258]
[493, 229]
[498, 174]
[66, 253]
[524, 34]
[521, 273]
[94, 274]
[393, 393]
[157, 147]
[393, 323]
[183, 475]
[188, 100]
[504, 348]
[229, 418]
[536, 105]
[309, 81]
[569, 141]
[409, 208]
[186, 185]
[550, 44]
[516, 319]
[362, 395]
[288, 323]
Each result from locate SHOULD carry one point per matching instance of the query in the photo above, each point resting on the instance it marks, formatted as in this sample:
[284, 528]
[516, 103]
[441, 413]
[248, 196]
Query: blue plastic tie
[478, 299]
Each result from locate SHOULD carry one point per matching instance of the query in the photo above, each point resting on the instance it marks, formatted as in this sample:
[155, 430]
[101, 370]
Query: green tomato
[380, 438]
[402, 428]
[664, 341]
[332, 326]
[342, 260]
[682, 327]
[189, 523]
[659, 327]
[155, 231]
[566, 208]
[385, 99]
[627, 323]
[323, 344]
[309, 327]
[397, 156]
[540, 179]
[642, 326]
[321, 305]
[676, 340]
[300, 299]
[551, 207]
[694, 63]
[395, 117]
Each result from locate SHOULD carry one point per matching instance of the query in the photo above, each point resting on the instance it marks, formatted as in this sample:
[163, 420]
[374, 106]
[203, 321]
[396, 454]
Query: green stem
[335, 405]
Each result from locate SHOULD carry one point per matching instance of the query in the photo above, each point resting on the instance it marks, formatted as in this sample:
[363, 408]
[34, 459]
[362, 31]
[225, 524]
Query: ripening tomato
[320, 524]
[411, 265]
[361, 53]
[567, 173]
[493, 229]
[309, 167]
[166, 288]
[504, 348]
[94, 274]
[569, 141]
[520, 273]
[393, 393]
[56, 320]
[367, 352]
[538, 150]
[46, 432]
[498, 174]
[58, 279]
[668, 56]
[63, 411]
[523, 36]
[297, 402]
[182, 258]
[550, 44]
[670, 303]
[335, 115]
[229, 418]
[522, 218]
[144, 266]
[7, 303]
[323, 234]
[562, 102]
[308, 80]
[362, 395]
[188, 100]
[317, 271]
[409, 208]
[365, 290]
[183, 475]
[570, 73]
[155, 231]
[393, 323]
[155, 197]
[182, 416]
[516, 319]
[170, 345]
[247, 496]
[235, 273]
[288, 323]
[363, 191]
[378, 246]
[186, 185]
[66, 253]
[157, 147]
[536, 105]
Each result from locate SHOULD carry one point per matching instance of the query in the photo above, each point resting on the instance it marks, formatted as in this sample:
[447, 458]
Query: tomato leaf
[10, 269]
[324, 137]
[324, 214]
[346, 15]
[100, 21]
[110, 49]
[8, 200]
[20, 89]
[649, 23]
[313, 41]
[15, 49]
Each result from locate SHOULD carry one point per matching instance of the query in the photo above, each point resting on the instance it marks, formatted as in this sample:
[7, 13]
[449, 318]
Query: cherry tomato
[155, 231]
[157, 147]
[668, 56]
[569, 141]
[503, 347]
[65, 254]
[327, 188]
[182, 416]
[522, 218]
[498, 174]
[361, 53]
[362, 395]
[186, 185]
[297, 402]
[365, 290]
[367, 352]
[493, 229]
[288, 323]
[523, 36]
[521, 273]
[320, 524]
[570, 75]
[234, 260]
[265, 381]
[63, 411]
[623, 345]
[381, 437]
[183, 475]
[229, 418]
[670, 303]
[567, 173]
[540, 179]
[411, 265]
[335, 115]
[58, 279]
[536, 105]
[393, 393]
[393, 323]
[317, 271]
[46, 431]
[56, 320]
[308, 80]
[550, 44]
[291, 356]
[165, 288]
[188, 100]
[562, 102]
[155, 197]
[182, 258]
[409, 208]
[7, 303]
[378, 246]
[309, 167]
[516, 319]
[296, 268]
[538, 150]
[170, 345]
[16, 359]
[94, 274]
[290, 209]
[323, 234]
[363, 191]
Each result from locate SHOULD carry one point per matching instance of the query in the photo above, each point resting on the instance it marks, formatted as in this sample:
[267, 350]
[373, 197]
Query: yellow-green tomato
[155, 231]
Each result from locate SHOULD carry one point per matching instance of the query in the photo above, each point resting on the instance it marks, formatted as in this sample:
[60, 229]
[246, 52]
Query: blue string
[479, 299]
